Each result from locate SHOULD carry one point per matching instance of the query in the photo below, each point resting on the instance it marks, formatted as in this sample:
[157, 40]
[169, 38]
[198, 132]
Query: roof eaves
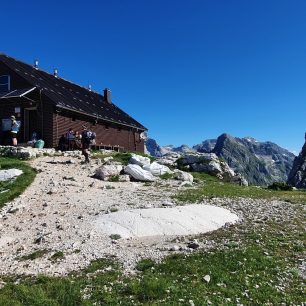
[107, 120]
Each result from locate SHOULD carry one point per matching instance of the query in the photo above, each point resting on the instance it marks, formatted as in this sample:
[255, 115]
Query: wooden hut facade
[49, 105]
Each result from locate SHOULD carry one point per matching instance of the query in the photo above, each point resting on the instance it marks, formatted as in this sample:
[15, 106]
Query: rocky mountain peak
[297, 176]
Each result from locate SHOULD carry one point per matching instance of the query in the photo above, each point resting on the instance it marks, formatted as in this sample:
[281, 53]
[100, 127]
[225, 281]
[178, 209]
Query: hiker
[62, 143]
[14, 130]
[70, 138]
[78, 140]
[87, 138]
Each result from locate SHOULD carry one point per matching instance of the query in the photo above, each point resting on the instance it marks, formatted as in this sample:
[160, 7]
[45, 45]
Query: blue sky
[187, 70]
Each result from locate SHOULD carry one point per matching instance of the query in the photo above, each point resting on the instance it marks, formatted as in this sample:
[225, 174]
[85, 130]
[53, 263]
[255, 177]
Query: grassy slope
[210, 186]
[257, 266]
[16, 187]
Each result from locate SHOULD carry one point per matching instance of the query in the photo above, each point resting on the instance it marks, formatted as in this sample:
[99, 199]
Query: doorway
[31, 123]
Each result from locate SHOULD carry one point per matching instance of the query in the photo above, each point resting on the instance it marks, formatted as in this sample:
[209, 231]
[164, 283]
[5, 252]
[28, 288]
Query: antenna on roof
[89, 87]
[55, 73]
[36, 64]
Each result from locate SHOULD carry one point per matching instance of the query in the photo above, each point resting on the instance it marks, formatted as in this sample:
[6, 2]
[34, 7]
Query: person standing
[71, 139]
[14, 130]
[86, 141]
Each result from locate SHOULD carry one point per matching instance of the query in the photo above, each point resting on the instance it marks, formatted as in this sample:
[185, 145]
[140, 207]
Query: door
[31, 123]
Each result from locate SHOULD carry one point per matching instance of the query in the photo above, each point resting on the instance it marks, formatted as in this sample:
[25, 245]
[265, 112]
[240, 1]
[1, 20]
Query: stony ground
[57, 214]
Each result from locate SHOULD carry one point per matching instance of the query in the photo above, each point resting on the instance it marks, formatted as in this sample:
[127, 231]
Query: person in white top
[14, 130]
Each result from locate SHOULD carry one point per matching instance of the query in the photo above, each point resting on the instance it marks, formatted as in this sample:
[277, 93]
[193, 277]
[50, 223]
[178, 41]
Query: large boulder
[156, 169]
[208, 163]
[138, 173]
[106, 171]
[169, 159]
[183, 176]
[139, 160]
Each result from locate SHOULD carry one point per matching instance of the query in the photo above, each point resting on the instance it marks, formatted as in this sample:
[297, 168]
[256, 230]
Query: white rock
[179, 220]
[124, 178]
[206, 278]
[8, 174]
[106, 171]
[183, 176]
[139, 160]
[157, 169]
[138, 173]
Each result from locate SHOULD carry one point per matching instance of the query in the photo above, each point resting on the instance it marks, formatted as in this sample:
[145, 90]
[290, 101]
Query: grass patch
[114, 178]
[115, 236]
[57, 256]
[17, 186]
[34, 255]
[166, 176]
[212, 187]
[121, 157]
[145, 264]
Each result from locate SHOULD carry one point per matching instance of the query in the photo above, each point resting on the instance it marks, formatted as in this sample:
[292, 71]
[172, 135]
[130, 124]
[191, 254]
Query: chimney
[36, 64]
[107, 95]
[89, 87]
[55, 73]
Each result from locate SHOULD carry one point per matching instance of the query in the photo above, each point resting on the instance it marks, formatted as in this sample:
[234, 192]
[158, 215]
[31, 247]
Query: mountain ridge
[261, 163]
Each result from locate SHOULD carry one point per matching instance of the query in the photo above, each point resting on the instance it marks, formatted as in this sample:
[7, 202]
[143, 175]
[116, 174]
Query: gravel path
[58, 213]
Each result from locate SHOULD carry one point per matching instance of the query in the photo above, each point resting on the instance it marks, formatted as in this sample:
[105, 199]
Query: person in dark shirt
[62, 143]
[86, 141]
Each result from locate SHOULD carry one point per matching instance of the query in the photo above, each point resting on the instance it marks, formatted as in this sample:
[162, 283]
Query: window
[5, 83]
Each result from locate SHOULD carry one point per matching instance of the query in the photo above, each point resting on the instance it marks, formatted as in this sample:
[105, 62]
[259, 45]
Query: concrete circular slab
[179, 220]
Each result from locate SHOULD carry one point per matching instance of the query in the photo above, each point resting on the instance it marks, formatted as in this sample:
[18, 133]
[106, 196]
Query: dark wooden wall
[107, 134]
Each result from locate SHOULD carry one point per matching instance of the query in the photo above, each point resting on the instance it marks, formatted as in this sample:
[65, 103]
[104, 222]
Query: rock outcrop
[210, 163]
[297, 175]
[261, 163]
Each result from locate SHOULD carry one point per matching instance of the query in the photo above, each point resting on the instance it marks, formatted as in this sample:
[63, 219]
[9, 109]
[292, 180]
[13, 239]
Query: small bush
[114, 178]
[280, 186]
[57, 255]
[115, 236]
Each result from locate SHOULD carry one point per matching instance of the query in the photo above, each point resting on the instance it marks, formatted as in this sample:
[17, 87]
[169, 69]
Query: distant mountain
[183, 149]
[206, 146]
[152, 148]
[261, 163]
[297, 175]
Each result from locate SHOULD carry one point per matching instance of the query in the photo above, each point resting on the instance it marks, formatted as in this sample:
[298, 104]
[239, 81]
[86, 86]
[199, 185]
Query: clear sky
[187, 70]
